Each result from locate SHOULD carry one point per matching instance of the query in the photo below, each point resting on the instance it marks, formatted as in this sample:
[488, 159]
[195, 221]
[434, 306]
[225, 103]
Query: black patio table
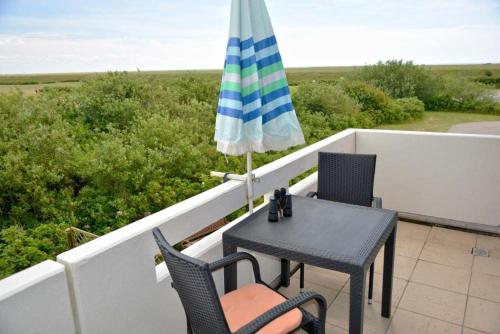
[325, 234]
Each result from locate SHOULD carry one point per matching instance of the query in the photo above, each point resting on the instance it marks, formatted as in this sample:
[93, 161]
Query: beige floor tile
[325, 277]
[294, 289]
[409, 247]
[483, 315]
[433, 302]
[471, 331]
[440, 276]
[448, 256]
[487, 265]
[452, 238]
[329, 329]
[405, 322]
[403, 266]
[492, 244]
[485, 286]
[398, 286]
[413, 231]
[338, 315]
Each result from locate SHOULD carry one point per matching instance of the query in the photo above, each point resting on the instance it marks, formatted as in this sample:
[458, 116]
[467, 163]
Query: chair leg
[370, 284]
[189, 329]
[302, 277]
[317, 327]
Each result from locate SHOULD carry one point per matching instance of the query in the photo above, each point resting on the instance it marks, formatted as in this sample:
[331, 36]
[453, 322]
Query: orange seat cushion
[243, 305]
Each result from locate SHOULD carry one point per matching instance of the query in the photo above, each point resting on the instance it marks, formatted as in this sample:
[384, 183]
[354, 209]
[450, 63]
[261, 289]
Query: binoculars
[280, 205]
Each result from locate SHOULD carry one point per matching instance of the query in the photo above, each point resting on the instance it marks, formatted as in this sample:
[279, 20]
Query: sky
[47, 36]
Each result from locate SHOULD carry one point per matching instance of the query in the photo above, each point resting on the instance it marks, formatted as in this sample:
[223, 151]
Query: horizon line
[138, 70]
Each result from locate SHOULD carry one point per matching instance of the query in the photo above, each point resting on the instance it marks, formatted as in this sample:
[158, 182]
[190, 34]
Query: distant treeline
[295, 75]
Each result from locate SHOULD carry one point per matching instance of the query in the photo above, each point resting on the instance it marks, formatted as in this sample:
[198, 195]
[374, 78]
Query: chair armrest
[279, 310]
[235, 257]
[377, 202]
[312, 194]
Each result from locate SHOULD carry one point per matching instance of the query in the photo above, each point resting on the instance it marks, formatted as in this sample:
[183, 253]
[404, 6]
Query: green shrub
[367, 96]
[399, 110]
[22, 248]
[313, 125]
[56, 164]
[489, 80]
[324, 109]
[192, 88]
[398, 78]
[323, 98]
[381, 108]
[111, 100]
[411, 106]
[461, 94]
[447, 93]
[352, 120]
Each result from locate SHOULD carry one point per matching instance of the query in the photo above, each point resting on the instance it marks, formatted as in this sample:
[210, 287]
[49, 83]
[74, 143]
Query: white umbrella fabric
[255, 111]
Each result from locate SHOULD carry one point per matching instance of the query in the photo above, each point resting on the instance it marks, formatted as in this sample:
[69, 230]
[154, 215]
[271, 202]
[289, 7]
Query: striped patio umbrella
[255, 112]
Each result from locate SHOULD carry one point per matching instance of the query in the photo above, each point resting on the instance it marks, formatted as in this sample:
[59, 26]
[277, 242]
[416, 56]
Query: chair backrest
[347, 178]
[192, 279]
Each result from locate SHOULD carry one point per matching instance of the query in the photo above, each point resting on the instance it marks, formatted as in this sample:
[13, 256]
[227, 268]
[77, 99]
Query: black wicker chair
[205, 312]
[346, 178]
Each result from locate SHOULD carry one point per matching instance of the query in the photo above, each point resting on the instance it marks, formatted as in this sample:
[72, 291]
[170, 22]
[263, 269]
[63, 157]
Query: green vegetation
[440, 121]
[33, 89]
[486, 73]
[112, 148]
[22, 248]
[438, 92]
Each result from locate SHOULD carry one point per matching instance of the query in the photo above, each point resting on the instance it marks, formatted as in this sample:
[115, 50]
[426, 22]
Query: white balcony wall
[451, 176]
[36, 300]
[114, 284]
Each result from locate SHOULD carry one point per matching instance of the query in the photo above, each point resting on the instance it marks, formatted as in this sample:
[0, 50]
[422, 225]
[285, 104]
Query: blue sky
[77, 36]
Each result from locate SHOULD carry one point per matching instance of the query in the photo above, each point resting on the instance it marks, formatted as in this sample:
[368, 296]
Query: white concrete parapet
[36, 300]
[445, 175]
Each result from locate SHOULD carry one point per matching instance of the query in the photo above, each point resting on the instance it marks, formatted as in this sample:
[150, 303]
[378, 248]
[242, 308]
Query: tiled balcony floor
[439, 286]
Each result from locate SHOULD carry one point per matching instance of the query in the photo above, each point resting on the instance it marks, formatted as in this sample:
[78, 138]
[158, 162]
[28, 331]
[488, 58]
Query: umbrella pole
[249, 182]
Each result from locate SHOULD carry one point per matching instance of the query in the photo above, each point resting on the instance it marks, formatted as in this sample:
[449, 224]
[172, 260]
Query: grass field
[28, 83]
[440, 121]
[31, 89]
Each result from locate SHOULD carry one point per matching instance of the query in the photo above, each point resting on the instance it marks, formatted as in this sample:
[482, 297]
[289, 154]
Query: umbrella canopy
[255, 112]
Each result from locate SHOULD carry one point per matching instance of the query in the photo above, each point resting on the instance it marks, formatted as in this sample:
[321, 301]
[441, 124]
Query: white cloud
[45, 55]
[193, 34]
[350, 46]
[299, 47]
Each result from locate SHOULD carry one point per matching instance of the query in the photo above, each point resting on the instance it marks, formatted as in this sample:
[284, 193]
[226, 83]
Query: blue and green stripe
[265, 65]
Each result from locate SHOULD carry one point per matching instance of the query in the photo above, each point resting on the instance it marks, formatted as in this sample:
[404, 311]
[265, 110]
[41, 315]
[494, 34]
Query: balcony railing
[112, 285]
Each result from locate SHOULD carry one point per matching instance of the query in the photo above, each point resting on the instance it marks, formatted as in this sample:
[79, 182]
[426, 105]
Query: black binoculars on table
[280, 205]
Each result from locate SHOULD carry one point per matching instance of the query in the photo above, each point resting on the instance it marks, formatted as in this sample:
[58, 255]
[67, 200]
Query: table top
[323, 233]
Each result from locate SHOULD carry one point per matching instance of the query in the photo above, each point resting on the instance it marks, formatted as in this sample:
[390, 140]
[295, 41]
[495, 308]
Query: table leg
[389, 251]
[357, 301]
[285, 273]
[230, 272]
